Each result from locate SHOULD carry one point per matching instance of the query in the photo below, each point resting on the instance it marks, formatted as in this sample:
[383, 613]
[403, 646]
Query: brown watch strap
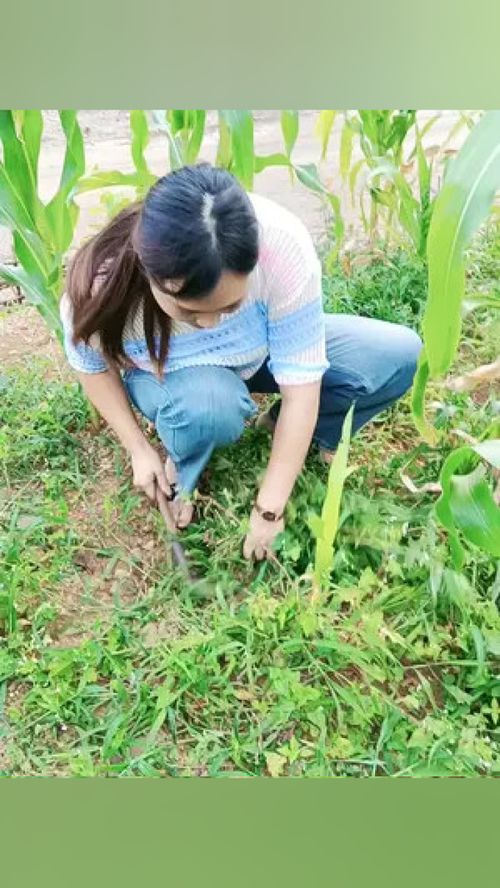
[266, 514]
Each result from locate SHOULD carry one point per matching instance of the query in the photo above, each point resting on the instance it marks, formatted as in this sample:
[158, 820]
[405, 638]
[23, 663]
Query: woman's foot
[326, 456]
[266, 421]
[182, 509]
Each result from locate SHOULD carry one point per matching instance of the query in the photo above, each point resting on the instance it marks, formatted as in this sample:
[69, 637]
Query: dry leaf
[275, 763]
[429, 487]
[486, 373]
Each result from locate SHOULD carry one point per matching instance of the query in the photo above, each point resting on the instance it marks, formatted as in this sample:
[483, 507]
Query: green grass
[111, 665]
[391, 287]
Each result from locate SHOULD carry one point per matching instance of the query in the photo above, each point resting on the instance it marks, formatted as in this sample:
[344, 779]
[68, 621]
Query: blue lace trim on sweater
[231, 343]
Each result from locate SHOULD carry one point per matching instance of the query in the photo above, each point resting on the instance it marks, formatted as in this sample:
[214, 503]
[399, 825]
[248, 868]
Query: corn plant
[467, 505]
[399, 186]
[185, 130]
[472, 178]
[325, 528]
[41, 232]
[141, 179]
[380, 135]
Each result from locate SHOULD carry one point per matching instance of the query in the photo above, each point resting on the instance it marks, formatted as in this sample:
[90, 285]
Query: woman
[186, 304]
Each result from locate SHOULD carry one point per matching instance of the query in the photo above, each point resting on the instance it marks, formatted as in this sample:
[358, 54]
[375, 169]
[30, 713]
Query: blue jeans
[198, 409]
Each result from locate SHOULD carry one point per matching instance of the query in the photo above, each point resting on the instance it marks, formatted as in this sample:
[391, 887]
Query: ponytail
[106, 284]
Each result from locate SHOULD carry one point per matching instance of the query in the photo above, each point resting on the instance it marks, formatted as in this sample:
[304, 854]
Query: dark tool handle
[164, 507]
[177, 550]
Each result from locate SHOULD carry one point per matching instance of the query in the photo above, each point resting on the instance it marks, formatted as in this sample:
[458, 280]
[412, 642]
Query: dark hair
[194, 224]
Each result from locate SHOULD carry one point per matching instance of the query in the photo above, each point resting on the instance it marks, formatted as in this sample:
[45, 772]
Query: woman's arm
[292, 438]
[107, 394]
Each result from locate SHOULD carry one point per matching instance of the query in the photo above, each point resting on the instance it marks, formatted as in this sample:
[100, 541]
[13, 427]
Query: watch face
[269, 516]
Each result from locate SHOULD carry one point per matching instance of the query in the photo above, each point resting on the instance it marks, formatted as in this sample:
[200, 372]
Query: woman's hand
[261, 535]
[149, 471]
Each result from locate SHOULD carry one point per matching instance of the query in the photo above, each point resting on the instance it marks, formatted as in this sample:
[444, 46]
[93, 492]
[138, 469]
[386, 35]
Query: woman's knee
[406, 349]
[393, 361]
[212, 405]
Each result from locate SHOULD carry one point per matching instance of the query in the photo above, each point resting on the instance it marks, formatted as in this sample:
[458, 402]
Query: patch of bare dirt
[118, 560]
[24, 335]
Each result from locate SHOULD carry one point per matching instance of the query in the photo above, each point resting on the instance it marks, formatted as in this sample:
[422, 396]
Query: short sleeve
[82, 357]
[296, 325]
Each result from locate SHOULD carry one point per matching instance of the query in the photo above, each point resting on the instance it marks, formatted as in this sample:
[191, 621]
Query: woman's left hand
[261, 535]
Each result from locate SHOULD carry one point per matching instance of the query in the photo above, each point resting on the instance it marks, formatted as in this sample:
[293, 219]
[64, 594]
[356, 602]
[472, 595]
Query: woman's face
[225, 298]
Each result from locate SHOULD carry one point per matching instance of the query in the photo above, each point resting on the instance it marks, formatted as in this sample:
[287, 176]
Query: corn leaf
[196, 135]
[223, 158]
[18, 167]
[28, 245]
[267, 160]
[466, 506]
[309, 176]
[325, 528]
[290, 129]
[472, 179]
[140, 140]
[424, 170]
[103, 179]
[354, 175]
[346, 145]
[407, 207]
[62, 211]
[427, 431]
[429, 124]
[31, 129]
[37, 293]
[170, 122]
[481, 300]
[240, 124]
[324, 126]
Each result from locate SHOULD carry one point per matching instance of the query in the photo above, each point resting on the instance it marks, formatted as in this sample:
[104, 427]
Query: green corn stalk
[140, 140]
[238, 126]
[325, 527]
[290, 130]
[472, 179]
[381, 136]
[185, 130]
[236, 152]
[426, 203]
[346, 147]
[141, 179]
[309, 176]
[323, 129]
[41, 232]
[466, 507]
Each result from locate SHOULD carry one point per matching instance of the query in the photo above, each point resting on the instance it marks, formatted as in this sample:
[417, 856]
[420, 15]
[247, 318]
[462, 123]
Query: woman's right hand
[149, 471]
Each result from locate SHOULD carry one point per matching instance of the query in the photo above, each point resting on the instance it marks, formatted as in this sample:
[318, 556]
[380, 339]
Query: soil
[23, 335]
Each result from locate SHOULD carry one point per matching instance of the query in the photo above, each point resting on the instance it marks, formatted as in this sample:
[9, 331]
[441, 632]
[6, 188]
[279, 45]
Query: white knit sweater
[281, 318]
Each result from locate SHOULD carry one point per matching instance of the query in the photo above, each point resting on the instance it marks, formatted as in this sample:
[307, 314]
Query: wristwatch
[266, 515]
